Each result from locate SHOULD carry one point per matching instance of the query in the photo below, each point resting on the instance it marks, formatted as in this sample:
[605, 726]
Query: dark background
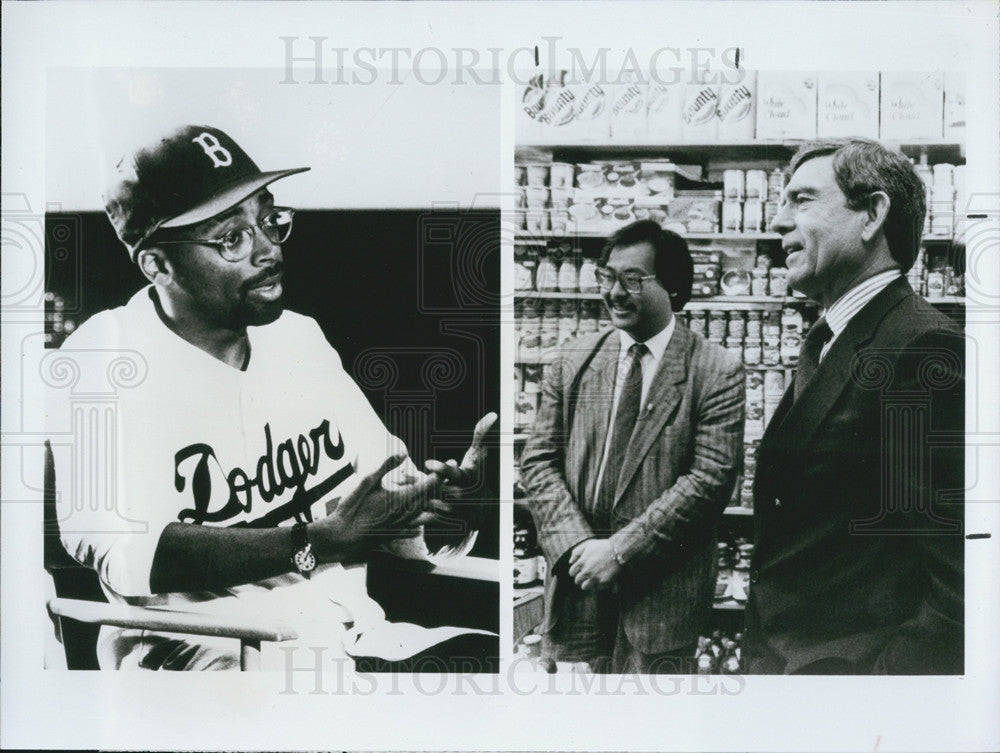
[417, 288]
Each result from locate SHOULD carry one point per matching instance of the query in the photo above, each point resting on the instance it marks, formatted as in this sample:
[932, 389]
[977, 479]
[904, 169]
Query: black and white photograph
[573, 376]
[262, 443]
[741, 353]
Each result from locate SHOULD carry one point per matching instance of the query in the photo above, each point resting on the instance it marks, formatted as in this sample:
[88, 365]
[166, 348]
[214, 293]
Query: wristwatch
[302, 556]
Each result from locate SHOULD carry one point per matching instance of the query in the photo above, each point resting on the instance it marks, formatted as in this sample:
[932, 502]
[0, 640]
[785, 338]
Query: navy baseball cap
[183, 178]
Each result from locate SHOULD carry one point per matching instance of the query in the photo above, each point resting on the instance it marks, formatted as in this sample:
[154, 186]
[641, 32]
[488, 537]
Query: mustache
[275, 269]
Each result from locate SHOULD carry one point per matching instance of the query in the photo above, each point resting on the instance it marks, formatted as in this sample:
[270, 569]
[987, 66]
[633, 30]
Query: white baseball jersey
[179, 436]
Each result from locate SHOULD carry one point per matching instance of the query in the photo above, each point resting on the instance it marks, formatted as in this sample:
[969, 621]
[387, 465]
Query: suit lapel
[834, 372]
[594, 396]
[664, 395]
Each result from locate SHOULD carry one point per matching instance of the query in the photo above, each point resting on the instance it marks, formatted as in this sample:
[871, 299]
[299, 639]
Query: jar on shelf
[791, 343]
[525, 262]
[775, 184]
[791, 320]
[778, 282]
[732, 216]
[561, 175]
[754, 327]
[755, 385]
[547, 274]
[589, 317]
[758, 281]
[771, 351]
[588, 276]
[752, 352]
[716, 324]
[935, 285]
[736, 324]
[772, 324]
[569, 274]
[756, 185]
[735, 346]
[753, 216]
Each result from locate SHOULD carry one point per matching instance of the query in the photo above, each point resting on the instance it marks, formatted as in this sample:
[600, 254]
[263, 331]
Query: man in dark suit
[634, 454]
[858, 496]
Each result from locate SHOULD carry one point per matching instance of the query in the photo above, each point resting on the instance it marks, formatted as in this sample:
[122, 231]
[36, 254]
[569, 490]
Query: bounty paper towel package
[786, 105]
[699, 123]
[912, 105]
[737, 107]
[847, 104]
[664, 105]
[628, 109]
[954, 106]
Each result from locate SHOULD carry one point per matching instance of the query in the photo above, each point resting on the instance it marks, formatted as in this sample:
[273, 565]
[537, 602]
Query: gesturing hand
[592, 565]
[371, 511]
[465, 475]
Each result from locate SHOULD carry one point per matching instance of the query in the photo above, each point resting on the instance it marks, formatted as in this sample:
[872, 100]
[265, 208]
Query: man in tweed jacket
[627, 518]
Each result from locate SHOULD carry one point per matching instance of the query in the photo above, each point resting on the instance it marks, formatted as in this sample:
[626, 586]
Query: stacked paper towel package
[744, 105]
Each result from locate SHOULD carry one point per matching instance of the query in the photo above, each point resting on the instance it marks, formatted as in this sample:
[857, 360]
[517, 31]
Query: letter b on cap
[217, 152]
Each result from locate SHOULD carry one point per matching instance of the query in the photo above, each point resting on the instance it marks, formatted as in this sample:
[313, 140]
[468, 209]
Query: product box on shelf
[954, 105]
[848, 104]
[698, 118]
[664, 108]
[628, 109]
[694, 214]
[786, 105]
[737, 108]
[554, 107]
[912, 105]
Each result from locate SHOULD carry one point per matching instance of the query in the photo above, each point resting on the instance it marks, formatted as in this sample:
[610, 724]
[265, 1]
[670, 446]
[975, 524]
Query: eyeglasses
[237, 244]
[631, 281]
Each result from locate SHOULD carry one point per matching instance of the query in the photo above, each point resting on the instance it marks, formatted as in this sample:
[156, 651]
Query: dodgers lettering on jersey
[219, 496]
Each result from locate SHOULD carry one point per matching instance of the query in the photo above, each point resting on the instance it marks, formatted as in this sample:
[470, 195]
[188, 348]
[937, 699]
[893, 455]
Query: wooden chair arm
[171, 621]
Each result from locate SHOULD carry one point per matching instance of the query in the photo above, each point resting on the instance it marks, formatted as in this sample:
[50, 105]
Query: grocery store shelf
[695, 304]
[937, 150]
[543, 236]
[737, 302]
[522, 235]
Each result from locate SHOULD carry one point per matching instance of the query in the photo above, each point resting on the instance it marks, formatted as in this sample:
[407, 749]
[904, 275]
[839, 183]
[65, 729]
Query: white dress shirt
[655, 348]
[850, 303]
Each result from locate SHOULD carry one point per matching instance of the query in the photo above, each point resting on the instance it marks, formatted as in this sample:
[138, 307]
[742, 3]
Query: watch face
[304, 560]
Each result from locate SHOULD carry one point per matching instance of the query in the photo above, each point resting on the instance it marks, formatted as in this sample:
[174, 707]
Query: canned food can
[733, 184]
[737, 324]
[935, 285]
[758, 281]
[791, 342]
[561, 175]
[775, 184]
[756, 185]
[538, 174]
[778, 282]
[716, 324]
[753, 216]
[770, 212]
[732, 216]
[771, 353]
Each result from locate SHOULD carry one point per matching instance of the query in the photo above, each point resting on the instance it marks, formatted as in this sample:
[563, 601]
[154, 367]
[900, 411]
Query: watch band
[617, 555]
[302, 556]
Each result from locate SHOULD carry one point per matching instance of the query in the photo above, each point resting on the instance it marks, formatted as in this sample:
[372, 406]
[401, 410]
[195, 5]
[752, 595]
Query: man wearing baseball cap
[248, 470]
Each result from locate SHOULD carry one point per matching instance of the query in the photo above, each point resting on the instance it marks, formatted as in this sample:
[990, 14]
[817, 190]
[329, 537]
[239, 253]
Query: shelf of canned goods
[570, 197]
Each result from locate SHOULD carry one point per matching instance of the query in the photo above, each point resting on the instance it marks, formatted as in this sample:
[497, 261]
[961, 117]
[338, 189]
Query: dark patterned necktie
[812, 346]
[624, 424]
